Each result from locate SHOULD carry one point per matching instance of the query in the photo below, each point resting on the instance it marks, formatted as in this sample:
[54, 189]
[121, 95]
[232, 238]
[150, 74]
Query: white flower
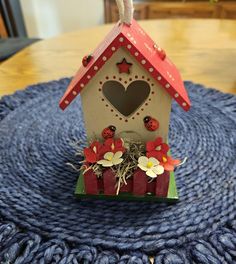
[111, 159]
[151, 166]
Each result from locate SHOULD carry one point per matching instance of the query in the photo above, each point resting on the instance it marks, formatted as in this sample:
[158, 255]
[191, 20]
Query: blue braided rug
[42, 222]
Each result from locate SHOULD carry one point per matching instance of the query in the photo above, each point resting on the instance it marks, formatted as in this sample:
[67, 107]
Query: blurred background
[48, 18]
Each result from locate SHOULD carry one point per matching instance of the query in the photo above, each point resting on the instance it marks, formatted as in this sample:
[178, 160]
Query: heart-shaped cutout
[128, 100]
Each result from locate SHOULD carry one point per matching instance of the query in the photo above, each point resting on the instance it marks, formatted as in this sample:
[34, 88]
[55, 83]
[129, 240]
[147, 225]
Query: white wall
[47, 18]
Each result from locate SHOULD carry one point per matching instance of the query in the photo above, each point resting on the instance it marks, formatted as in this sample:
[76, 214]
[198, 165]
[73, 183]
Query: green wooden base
[171, 197]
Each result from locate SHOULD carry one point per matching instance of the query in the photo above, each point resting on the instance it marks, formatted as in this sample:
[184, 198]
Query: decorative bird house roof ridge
[144, 50]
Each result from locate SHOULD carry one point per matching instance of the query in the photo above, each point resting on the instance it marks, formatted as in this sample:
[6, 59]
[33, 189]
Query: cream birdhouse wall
[99, 112]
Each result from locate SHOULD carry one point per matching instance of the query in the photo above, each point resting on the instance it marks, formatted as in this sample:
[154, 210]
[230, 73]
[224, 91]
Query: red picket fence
[138, 184]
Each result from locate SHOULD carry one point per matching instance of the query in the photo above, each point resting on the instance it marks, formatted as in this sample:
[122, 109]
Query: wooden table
[204, 51]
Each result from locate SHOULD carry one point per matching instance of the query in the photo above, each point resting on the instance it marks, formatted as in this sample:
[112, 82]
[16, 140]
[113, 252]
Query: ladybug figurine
[161, 53]
[109, 132]
[86, 60]
[151, 123]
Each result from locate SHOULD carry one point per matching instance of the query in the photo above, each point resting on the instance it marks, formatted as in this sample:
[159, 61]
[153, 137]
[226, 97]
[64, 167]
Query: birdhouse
[127, 85]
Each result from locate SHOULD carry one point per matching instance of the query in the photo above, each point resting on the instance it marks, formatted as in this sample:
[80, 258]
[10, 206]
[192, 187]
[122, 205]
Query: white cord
[120, 5]
[181, 163]
[126, 10]
[129, 10]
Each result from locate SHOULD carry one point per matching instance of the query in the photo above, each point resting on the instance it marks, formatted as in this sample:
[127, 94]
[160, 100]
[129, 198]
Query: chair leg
[3, 30]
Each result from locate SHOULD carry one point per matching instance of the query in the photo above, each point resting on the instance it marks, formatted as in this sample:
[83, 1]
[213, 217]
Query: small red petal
[158, 141]
[159, 156]
[109, 141]
[104, 149]
[155, 154]
[174, 162]
[96, 144]
[164, 148]
[168, 167]
[150, 145]
[152, 154]
[118, 143]
[90, 156]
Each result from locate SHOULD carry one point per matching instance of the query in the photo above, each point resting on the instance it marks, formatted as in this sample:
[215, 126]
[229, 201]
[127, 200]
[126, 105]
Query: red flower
[169, 163]
[156, 149]
[94, 152]
[113, 145]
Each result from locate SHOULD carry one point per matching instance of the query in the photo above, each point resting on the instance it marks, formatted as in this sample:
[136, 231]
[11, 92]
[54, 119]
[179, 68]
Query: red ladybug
[109, 132]
[86, 60]
[161, 53]
[151, 123]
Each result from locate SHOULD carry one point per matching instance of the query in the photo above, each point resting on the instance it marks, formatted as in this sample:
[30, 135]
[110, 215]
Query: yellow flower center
[149, 164]
[164, 159]
[110, 158]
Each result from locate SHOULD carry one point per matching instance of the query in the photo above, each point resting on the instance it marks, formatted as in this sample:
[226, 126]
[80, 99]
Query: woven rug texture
[41, 221]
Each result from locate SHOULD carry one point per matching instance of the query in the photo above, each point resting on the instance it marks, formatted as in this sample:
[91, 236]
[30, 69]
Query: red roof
[143, 49]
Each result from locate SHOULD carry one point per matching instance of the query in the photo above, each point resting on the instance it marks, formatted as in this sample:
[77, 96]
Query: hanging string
[126, 10]
[120, 5]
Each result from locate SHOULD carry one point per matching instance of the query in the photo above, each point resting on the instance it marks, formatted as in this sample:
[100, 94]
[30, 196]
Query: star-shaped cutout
[124, 66]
